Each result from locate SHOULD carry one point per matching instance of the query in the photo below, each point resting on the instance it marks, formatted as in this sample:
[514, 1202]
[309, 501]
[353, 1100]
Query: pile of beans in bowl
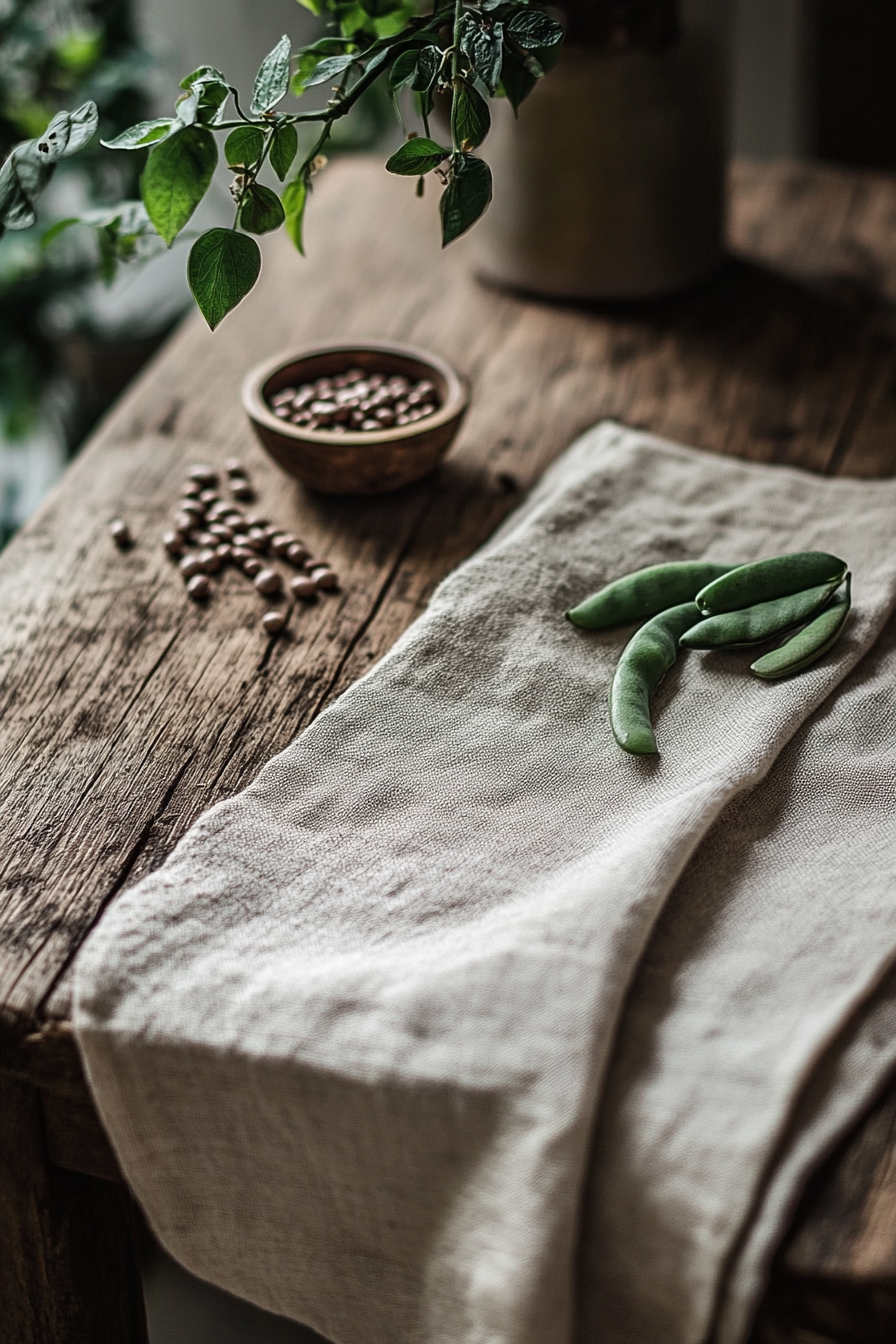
[356, 402]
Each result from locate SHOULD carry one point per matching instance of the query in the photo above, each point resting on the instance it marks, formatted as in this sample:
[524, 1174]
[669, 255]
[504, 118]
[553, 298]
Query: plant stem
[455, 64]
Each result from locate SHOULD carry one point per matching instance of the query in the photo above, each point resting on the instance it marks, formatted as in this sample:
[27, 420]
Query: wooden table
[126, 711]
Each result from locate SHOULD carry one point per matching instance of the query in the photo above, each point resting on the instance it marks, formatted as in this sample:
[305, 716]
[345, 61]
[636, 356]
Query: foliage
[52, 52]
[465, 50]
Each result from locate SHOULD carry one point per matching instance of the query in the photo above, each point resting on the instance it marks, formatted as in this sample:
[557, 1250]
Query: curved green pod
[808, 644]
[647, 656]
[753, 625]
[764, 580]
[645, 593]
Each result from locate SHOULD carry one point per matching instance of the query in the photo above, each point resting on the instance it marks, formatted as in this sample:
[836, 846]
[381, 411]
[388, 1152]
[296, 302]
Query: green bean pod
[764, 580]
[753, 625]
[808, 644]
[646, 658]
[645, 593]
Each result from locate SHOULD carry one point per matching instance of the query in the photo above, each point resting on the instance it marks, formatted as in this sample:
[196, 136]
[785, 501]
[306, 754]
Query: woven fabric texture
[462, 1026]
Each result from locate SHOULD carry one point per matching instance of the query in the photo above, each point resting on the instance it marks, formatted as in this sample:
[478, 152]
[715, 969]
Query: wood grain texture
[127, 711]
[69, 1268]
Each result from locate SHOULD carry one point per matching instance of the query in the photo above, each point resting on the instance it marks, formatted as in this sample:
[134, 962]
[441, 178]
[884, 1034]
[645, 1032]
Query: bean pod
[753, 625]
[765, 580]
[645, 593]
[808, 644]
[645, 659]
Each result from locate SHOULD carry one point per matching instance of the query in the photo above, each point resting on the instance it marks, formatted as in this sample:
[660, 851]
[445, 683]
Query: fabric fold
[351, 1041]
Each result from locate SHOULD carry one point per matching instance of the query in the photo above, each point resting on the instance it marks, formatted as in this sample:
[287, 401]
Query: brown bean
[370, 424]
[385, 416]
[297, 554]
[193, 507]
[281, 542]
[242, 490]
[199, 587]
[325, 578]
[211, 561]
[225, 552]
[303, 588]
[173, 543]
[191, 489]
[255, 520]
[221, 531]
[252, 566]
[276, 399]
[209, 497]
[190, 565]
[274, 622]
[268, 581]
[203, 475]
[241, 553]
[121, 534]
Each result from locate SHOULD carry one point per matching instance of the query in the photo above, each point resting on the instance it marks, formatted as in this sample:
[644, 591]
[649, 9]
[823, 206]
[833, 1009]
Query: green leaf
[482, 43]
[272, 80]
[328, 68]
[67, 133]
[429, 62]
[176, 177]
[204, 73]
[466, 197]
[143, 134]
[404, 70]
[260, 210]
[223, 267]
[377, 8]
[532, 28]
[470, 117]
[243, 147]
[416, 156]
[295, 198]
[516, 81]
[284, 149]
[55, 229]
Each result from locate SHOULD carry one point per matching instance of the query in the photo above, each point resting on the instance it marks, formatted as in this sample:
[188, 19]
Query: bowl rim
[456, 394]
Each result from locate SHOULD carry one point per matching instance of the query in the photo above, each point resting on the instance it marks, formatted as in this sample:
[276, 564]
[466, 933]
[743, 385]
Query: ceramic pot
[611, 183]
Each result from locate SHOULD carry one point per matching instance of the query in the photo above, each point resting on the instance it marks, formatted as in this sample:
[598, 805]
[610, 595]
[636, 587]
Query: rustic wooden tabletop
[126, 710]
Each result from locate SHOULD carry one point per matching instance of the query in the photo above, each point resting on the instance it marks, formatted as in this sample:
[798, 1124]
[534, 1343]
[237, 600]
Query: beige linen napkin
[351, 1041]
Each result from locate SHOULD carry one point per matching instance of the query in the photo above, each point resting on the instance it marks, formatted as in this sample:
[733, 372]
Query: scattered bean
[202, 475]
[808, 644]
[121, 534]
[274, 622]
[268, 581]
[281, 542]
[173, 543]
[210, 560]
[193, 507]
[209, 497]
[645, 659]
[764, 580]
[297, 554]
[242, 490]
[306, 589]
[190, 566]
[325, 579]
[234, 467]
[221, 531]
[645, 593]
[252, 566]
[199, 587]
[754, 625]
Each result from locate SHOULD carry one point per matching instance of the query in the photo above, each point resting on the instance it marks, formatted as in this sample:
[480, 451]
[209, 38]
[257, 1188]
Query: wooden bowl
[360, 463]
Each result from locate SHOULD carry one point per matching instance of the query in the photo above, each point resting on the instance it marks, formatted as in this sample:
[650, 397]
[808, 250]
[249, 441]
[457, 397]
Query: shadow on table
[185, 1310]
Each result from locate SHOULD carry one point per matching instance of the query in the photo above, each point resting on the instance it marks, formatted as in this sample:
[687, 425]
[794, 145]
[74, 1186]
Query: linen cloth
[462, 1026]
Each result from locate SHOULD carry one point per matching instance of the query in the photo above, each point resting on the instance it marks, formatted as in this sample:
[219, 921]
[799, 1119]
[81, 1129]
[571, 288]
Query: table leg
[69, 1255]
